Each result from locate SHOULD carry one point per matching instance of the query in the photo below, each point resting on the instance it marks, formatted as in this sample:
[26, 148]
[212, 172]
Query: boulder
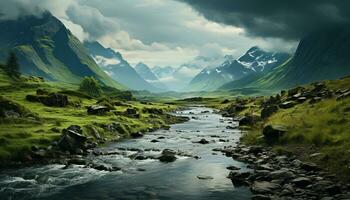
[131, 111]
[309, 166]
[264, 187]
[203, 141]
[55, 100]
[343, 96]
[268, 111]
[97, 110]
[287, 104]
[239, 178]
[274, 132]
[167, 155]
[72, 139]
[301, 182]
[248, 120]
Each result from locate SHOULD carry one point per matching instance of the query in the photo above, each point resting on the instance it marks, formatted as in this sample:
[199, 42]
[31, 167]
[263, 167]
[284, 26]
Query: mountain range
[254, 62]
[45, 48]
[118, 68]
[321, 55]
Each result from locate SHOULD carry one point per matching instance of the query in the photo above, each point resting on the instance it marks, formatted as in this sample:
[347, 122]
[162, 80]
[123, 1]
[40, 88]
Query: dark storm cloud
[275, 18]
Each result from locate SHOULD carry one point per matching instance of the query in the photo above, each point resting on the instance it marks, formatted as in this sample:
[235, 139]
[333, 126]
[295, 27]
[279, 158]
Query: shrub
[90, 86]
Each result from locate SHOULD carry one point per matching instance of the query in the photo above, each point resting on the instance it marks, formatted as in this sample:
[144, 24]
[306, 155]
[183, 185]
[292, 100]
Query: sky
[173, 32]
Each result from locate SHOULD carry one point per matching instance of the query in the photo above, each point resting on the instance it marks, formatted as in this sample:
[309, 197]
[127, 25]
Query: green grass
[322, 127]
[17, 136]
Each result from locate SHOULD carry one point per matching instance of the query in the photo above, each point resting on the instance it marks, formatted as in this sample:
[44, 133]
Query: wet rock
[239, 178]
[204, 177]
[273, 132]
[264, 187]
[268, 111]
[97, 110]
[104, 167]
[233, 168]
[77, 161]
[154, 141]
[301, 182]
[203, 141]
[72, 139]
[136, 135]
[167, 155]
[282, 174]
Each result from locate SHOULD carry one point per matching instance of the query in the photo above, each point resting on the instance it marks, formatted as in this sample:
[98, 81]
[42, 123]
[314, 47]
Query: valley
[174, 99]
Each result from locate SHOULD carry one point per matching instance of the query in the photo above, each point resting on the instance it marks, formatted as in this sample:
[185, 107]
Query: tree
[91, 86]
[12, 66]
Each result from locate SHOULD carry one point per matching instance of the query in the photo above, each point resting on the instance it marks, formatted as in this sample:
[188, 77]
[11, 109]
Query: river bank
[134, 168]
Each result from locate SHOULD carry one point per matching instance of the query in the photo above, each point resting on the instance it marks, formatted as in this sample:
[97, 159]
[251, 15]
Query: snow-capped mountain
[255, 60]
[145, 72]
[117, 67]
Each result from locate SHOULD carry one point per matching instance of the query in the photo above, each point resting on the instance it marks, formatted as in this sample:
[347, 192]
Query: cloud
[274, 18]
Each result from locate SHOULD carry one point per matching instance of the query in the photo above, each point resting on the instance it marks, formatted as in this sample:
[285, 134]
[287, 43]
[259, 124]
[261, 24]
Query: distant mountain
[323, 54]
[117, 67]
[46, 48]
[163, 72]
[255, 61]
[145, 72]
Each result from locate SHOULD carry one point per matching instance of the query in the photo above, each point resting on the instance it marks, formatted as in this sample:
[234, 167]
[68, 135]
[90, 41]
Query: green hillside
[46, 48]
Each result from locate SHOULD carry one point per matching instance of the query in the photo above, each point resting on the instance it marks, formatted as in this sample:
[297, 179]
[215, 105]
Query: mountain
[323, 54]
[146, 73]
[45, 47]
[117, 67]
[163, 72]
[255, 61]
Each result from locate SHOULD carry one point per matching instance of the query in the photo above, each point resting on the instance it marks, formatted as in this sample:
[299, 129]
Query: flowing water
[142, 179]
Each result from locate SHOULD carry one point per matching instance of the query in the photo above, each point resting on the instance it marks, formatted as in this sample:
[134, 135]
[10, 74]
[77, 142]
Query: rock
[136, 135]
[167, 155]
[102, 167]
[343, 96]
[131, 111]
[294, 91]
[76, 161]
[248, 120]
[301, 182]
[55, 100]
[154, 141]
[203, 141]
[287, 104]
[233, 168]
[308, 166]
[264, 187]
[205, 177]
[273, 132]
[268, 111]
[282, 174]
[97, 110]
[260, 197]
[239, 178]
[72, 139]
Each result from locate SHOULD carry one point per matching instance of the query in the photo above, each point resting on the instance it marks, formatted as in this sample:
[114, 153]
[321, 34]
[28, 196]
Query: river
[142, 179]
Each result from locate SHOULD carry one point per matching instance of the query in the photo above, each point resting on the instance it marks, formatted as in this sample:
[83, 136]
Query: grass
[321, 128]
[18, 136]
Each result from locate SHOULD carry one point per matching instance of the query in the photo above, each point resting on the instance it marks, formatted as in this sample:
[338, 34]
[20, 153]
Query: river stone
[301, 182]
[72, 139]
[136, 135]
[204, 177]
[167, 155]
[264, 187]
[203, 141]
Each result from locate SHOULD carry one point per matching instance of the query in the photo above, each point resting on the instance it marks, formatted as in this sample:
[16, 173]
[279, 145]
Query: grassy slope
[312, 128]
[17, 136]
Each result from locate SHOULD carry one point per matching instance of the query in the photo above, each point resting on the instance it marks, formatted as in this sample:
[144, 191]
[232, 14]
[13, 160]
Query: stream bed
[197, 173]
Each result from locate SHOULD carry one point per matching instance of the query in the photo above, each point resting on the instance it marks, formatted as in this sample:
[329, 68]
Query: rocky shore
[280, 177]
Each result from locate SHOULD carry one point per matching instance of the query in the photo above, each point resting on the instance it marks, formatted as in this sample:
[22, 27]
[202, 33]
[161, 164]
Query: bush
[90, 86]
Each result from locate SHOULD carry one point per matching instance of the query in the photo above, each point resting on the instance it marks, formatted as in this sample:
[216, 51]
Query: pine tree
[12, 66]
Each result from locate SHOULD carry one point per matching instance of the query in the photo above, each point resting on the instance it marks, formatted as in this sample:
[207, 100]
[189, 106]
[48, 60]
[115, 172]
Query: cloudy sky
[169, 32]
